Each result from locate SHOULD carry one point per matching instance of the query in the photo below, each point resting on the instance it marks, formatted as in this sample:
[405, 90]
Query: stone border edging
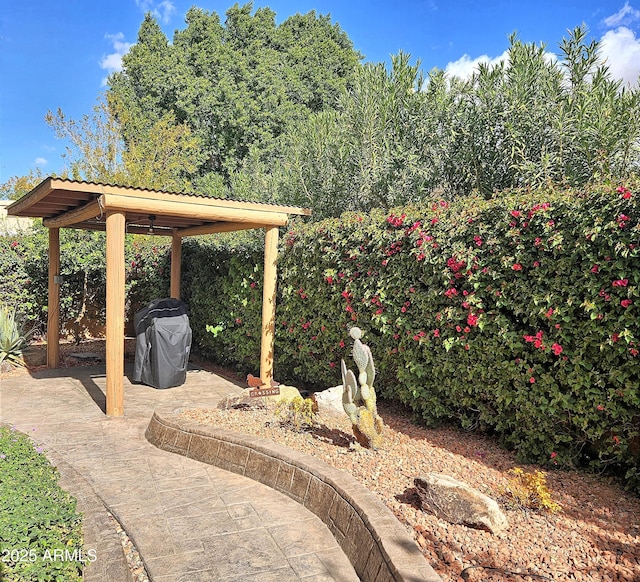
[375, 542]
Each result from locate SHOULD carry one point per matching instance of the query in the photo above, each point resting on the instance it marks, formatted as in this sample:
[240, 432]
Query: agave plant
[14, 336]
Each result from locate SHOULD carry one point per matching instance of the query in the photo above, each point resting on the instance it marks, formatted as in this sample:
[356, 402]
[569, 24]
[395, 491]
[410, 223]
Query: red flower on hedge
[626, 302]
[517, 267]
[556, 349]
[595, 268]
[626, 194]
[515, 213]
[451, 292]
[532, 380]
[472, 319]
[620, 283]
[436, 333]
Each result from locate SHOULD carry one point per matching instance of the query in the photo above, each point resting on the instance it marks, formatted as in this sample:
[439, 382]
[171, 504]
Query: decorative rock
[329, 401]
[244, 400]
[458, 503]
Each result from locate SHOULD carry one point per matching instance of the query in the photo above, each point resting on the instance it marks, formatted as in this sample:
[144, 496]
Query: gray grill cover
[163, 343]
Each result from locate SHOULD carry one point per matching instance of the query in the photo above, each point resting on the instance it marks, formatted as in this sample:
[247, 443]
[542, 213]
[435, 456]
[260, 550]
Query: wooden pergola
[119, 210]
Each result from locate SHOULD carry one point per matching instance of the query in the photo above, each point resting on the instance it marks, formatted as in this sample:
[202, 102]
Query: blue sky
[58, 54]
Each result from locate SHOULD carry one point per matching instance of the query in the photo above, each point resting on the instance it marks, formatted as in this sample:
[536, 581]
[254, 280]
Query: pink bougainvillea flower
[536, 263]
[626, 302]
[634, 352]
[436, 333]
[616, 440]
[515, 213]
[554, 455]
[600, 407]
[517, 267]
[549, 313]
[595, 268]
[532, 380]
[556, 349]
[477, 240]
[620, 283]
[615, 337]
[472, 319]
[451, 292]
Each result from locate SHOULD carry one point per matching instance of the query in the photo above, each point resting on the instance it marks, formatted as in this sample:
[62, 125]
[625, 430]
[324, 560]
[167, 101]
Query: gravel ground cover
[596, 536]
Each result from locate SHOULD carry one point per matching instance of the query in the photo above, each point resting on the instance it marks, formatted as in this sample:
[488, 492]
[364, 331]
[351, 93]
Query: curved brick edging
[375, 542]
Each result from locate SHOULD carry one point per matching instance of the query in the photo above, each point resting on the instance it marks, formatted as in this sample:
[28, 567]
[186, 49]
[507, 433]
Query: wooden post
[176, 259]
[115, 313]
[53, 312]
[269, 304]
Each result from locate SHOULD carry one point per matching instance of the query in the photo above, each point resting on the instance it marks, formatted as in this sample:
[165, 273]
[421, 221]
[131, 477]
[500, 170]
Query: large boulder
[329, 402]
[458, 503]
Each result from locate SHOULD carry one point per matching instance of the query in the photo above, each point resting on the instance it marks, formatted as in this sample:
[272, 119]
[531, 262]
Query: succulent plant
[359, 396]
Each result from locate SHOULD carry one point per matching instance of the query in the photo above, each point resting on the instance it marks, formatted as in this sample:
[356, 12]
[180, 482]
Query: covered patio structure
[119, 210]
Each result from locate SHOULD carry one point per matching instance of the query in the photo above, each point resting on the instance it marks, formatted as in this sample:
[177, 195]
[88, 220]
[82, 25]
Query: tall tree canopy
[237, 86]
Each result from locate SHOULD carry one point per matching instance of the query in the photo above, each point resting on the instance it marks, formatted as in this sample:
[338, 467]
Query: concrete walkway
[190, 521]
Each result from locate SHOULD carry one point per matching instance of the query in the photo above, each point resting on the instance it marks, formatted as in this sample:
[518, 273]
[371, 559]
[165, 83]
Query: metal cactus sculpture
[359, 396]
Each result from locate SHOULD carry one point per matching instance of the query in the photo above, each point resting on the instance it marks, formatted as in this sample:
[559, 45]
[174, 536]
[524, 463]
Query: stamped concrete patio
[190, 521]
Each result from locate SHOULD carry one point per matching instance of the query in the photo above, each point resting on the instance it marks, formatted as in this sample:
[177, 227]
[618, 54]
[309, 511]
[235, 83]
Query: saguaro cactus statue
[359, 396]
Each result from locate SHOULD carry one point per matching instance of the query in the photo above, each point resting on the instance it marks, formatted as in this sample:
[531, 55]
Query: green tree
[95, 147]
[17, 186]
[238, 86]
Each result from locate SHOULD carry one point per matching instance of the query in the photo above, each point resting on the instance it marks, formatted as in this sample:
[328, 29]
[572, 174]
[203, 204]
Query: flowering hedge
[517, 315]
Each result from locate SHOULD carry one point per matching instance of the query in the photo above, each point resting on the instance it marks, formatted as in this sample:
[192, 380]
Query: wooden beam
[53, 311]
[80, 214]
[115, 313]
[216, 227]
[192, 210]
[24, 205]
[176, 260]
[269, 304]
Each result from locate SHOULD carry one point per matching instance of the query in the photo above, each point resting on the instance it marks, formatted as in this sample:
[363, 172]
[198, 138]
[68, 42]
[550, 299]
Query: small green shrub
[40, 529]
[298, 413]
[528, 490]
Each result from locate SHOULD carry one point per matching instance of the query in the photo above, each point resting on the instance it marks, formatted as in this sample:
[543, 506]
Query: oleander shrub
[40, 529]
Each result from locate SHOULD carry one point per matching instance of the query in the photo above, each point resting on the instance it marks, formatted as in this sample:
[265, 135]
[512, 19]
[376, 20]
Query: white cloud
[113, 62]
[621, 50]
[163, 10]
[465, 66]
[41, 162]
[626, 15]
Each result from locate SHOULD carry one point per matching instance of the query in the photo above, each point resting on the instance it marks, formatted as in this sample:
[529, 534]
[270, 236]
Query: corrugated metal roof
[80, 204]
